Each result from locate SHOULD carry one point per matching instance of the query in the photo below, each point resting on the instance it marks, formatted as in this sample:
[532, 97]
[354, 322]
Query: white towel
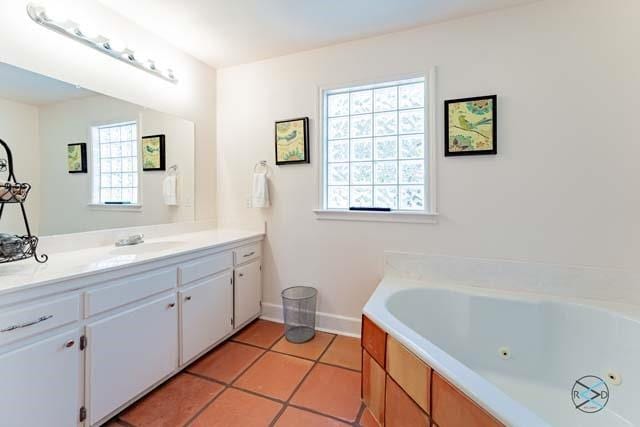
[170, 190]
[260, 194]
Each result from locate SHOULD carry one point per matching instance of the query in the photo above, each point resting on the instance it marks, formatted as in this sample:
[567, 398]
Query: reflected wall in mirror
[40, 117]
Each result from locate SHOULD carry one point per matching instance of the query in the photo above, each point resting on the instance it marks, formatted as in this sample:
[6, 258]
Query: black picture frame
[163, 160]
[306, 159]
[83, 157]
[494, 115]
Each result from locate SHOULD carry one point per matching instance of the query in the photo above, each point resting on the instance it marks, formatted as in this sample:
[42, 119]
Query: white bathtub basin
[550, 343]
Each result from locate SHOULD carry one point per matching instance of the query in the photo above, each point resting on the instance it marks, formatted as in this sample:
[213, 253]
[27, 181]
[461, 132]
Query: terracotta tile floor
[258, 378]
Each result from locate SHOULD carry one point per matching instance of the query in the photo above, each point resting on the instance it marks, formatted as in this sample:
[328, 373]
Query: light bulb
[130, 55]
[114, 45]
[169, 74]
[52, 15]
[85, 32]
[147, 62]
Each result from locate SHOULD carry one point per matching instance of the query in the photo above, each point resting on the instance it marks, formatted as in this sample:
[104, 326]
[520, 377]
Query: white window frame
[95, 177]
[430, 213]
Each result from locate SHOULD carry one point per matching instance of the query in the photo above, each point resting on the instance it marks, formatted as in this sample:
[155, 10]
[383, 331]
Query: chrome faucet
[134, 239]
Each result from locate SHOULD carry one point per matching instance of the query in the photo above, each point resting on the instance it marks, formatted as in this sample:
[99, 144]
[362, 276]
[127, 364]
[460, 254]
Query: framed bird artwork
[471, 126]
[292, 141]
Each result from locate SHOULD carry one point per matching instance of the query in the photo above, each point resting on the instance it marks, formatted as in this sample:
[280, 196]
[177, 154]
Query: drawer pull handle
[24, 325]
[187, 298]
[70, 343]
[249, 254]
[240, 275]
[171, 305]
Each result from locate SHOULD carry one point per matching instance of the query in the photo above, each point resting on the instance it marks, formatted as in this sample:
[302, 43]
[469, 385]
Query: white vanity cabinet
[247, 292]
[128, 352]
[78, 352]
[43, 383]
[206, 314]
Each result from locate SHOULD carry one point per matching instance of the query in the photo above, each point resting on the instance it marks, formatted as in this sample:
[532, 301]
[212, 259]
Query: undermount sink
[146, 247]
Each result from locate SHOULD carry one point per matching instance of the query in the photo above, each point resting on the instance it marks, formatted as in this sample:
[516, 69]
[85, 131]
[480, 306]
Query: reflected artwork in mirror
[82, 154]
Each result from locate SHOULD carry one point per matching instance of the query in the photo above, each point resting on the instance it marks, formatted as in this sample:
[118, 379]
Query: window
[374, 147]
[115, 164]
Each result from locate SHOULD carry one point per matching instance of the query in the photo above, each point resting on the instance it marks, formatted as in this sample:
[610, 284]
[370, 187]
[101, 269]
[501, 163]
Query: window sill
[123, 208]
[394, 216]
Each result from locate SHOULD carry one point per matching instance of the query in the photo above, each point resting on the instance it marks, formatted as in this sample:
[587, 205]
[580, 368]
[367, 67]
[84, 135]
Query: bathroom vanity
[86, 334]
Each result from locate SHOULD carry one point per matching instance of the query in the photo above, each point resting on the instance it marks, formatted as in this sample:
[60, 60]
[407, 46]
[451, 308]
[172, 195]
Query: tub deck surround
[457, 331]
[73, 265]
[568, 281]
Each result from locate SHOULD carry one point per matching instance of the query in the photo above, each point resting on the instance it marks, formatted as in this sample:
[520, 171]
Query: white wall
[19, 129]
[561, 190]
[27, 45]
[66, 197]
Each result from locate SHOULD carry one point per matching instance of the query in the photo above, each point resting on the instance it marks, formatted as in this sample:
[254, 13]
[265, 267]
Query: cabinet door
[129, 352]
[41, 383]
[206, 314]
[247, 292]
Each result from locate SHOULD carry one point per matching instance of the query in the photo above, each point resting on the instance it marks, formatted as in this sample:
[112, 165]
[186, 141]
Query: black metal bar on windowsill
[369, 209]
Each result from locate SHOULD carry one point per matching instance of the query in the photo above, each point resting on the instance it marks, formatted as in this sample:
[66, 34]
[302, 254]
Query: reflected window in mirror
[115, 164]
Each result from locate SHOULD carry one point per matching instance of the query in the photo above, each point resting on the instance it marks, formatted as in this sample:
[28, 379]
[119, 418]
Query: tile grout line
[206, 405]
[295, 390]
[360, 414]
[302, 357]
[317, 361]
[226, 386]
[285, 403]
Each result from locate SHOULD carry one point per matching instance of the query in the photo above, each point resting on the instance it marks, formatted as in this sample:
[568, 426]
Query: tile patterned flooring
[258, 378]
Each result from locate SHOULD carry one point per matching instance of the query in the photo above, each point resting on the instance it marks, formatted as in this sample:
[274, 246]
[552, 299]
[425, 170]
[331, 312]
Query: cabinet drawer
[36, 318]
[246, 253]
[128, 290]
[204, 267]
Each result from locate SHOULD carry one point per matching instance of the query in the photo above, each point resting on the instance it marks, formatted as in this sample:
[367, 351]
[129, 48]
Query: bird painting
[465, 124]
[292, 141]
[471, 126]
[288, 137]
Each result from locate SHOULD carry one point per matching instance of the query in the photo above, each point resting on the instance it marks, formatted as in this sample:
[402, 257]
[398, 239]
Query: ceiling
[228, 32]
[19, 85]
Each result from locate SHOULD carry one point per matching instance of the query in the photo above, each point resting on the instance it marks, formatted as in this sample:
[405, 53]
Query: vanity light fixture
[98, 42]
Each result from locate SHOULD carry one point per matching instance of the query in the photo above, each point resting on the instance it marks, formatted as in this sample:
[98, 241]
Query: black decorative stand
[14, 192]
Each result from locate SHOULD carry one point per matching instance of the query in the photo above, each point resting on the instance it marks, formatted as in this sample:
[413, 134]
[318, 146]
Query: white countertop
[87, 261]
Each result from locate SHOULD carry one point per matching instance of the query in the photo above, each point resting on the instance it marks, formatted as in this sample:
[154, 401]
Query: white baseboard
[326, 322]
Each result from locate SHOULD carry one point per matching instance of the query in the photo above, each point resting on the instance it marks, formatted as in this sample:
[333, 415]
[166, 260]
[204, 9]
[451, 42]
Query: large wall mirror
[93, 162]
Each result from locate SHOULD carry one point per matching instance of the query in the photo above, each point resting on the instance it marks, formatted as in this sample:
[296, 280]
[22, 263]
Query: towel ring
[172, 170]
[262, 164]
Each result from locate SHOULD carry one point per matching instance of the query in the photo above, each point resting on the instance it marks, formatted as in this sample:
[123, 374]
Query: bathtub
[519, 357]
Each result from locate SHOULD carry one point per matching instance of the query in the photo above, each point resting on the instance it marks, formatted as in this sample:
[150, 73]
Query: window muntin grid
[116, 163]
[375, 146]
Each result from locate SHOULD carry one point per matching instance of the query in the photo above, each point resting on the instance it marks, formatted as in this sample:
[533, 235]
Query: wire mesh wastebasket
[299, 305]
